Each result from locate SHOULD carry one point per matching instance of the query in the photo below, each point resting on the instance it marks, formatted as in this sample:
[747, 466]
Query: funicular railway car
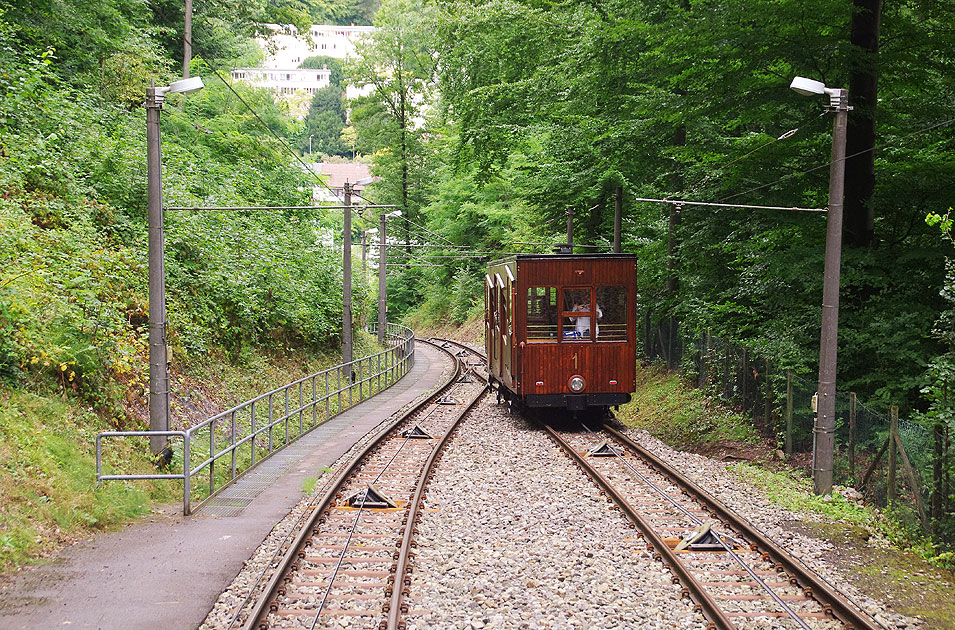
[560, 329]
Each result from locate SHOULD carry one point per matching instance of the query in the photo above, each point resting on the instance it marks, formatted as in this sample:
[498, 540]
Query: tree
[317, 62]
[324, 123]
[397, 61]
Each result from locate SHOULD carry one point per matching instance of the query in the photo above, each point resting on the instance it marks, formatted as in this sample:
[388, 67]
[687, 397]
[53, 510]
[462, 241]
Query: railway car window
[613, 303]
[578, 315]
[542, 314]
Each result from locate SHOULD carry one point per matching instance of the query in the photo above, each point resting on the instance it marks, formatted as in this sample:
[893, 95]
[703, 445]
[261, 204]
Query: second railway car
[560, 329]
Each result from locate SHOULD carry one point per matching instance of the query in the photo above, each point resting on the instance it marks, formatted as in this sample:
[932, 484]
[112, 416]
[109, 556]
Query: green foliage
[324, 123]
[794, 492]
[46, 487]
[317, 62]
[681, 415]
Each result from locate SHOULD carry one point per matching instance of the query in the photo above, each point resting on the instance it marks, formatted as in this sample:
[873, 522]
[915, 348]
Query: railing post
[301, 424]
[338, 386]
[328, 399]
[286, 416]
[314, 403]
[893, 454]
[852, 436]
[271, 420]
[212, 457]
[233, 445]
[789, 414]
[186, 475]
[252, 435]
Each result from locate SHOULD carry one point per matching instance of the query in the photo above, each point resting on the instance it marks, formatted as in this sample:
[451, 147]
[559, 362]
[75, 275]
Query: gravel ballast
[519, 538]
[753, 505]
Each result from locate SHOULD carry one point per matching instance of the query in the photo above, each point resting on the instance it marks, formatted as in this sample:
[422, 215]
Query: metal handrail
[371, 375]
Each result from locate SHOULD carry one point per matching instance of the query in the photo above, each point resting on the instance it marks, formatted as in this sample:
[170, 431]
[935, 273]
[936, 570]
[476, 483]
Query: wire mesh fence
[894, 461]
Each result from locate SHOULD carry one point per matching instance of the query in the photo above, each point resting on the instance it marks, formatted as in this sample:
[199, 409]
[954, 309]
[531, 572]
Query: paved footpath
[166, 572]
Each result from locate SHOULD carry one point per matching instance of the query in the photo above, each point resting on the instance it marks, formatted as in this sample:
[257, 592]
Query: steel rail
[259, 613]
[399, 590]
[727, 546]
[814, 586]
[704, 601]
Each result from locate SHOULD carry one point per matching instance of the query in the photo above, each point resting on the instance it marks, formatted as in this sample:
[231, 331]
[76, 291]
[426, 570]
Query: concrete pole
[382, 321]
[158, 365]
[617, 219]
[824, 432]
[187, 40]
[347, 354]
[364, 254]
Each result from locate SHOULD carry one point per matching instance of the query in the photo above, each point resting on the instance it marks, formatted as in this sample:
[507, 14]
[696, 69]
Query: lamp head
[187, 86]
[396, 213]
[807, 87]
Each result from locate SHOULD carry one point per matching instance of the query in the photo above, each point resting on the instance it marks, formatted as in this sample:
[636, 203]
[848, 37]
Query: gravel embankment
[751, 503]
[519, 538]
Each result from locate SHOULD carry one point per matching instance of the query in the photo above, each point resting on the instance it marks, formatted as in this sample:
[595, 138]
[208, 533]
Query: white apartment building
[285, 81]
[287, 48]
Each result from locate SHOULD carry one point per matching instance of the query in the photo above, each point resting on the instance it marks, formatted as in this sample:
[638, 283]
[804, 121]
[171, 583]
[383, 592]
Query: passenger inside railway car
[582, 322]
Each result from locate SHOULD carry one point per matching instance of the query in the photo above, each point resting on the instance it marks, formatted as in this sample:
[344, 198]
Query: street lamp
[825, 425]
[382, 288]
[158, 365]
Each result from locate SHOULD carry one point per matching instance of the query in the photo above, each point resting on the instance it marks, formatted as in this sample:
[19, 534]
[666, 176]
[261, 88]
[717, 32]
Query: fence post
[852, 436]
[789, 414]
[893, 455]
[745, 374]
[769, 402]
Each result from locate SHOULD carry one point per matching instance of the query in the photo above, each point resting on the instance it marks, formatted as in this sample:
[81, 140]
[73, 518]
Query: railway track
[350, 563]
[736, 577]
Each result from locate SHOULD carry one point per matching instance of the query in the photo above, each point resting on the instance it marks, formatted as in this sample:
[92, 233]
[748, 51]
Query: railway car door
[503, 349]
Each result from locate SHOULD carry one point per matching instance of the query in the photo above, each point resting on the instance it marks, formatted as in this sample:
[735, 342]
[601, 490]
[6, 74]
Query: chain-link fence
[892, 460]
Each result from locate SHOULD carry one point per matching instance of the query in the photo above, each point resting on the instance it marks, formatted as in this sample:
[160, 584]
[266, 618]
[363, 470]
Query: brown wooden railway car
[560, 329]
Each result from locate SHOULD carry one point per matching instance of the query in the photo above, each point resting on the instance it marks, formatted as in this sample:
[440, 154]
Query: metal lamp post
[158, 364]
[824, 430]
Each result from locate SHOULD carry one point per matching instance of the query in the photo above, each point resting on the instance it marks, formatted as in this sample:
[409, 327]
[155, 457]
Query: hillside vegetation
[251, 291]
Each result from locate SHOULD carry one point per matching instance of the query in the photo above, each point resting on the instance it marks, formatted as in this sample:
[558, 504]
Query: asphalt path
[166, 571]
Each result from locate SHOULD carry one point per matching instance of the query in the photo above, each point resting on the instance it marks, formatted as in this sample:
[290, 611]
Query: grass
[682, 416]
[48, 490]
[793, 491]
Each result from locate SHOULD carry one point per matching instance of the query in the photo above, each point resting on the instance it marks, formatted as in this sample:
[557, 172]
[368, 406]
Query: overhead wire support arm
[181, 208]
[680, 202]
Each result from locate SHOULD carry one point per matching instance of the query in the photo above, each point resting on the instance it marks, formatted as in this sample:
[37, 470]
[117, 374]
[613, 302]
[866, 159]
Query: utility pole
[158, 365]
[346, 267]
[381, 280]
[187, 40]
[617, 219]
[364, 254]
[569, 248]
[824, 433]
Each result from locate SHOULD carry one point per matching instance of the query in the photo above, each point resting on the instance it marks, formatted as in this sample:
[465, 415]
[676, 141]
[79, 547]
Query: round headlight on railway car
[576, 384]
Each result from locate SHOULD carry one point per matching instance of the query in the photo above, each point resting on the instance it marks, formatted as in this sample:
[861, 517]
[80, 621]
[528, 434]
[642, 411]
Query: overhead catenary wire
[215, 71]
[680, 202]
[848, 157]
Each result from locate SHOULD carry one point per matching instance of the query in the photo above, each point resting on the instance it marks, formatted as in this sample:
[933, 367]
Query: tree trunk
[863, 97]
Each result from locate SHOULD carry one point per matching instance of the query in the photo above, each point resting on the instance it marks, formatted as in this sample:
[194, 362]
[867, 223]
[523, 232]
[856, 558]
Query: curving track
[349, 564]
